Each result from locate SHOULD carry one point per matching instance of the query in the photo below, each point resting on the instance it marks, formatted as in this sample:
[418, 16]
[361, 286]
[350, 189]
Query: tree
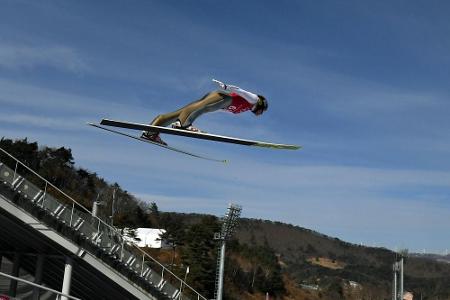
[154, 214]
[174, 234]
[199, 253]
[23, 150]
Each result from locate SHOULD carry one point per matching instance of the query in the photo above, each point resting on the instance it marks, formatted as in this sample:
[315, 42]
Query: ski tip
[277, 146]
[291, 147]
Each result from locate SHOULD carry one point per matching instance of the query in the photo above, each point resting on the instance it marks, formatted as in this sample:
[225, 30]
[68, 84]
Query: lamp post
[395, 269]
[397, 284]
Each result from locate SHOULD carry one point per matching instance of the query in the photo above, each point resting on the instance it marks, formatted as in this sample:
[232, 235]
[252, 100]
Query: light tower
[229, 222]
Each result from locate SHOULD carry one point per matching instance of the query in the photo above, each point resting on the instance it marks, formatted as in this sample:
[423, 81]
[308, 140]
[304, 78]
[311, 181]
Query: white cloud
[37, 121]
[354, 96]
[355, 215]
[185, 203]
[29, 96]
[50, 102]
[60, 57]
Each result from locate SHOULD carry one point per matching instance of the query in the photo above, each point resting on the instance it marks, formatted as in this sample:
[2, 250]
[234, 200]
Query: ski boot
[153, 137]
[177, 125]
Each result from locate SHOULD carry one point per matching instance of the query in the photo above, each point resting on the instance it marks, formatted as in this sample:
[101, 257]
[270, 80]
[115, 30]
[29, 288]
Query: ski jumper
[231, 98]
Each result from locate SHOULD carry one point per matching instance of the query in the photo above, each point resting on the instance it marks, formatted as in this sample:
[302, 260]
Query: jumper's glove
[222, 85]
[227, 87]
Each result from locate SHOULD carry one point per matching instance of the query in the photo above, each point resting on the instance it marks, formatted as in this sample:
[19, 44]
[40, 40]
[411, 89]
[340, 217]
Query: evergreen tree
[174, 234]
[199, 253]
[154, 215]
[21, 149]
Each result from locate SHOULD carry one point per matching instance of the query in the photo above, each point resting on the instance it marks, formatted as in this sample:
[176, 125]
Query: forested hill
[285, 261]
[310, 259]
[308, 256]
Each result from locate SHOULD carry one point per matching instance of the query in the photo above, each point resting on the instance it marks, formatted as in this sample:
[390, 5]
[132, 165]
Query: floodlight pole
[401, 279]
[229, 222]
[221, 270]
[394, 282]
[397, 284]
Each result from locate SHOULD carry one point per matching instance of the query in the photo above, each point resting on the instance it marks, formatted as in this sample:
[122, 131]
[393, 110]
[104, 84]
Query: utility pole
[229, 223]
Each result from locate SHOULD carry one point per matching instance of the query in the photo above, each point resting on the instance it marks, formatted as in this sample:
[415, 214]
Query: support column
[67, 278]
[38, 275]
[15, 273]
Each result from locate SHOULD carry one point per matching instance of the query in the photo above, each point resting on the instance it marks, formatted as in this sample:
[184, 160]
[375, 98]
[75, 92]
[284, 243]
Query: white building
[146, 237]
[354, 285]
[408, 296]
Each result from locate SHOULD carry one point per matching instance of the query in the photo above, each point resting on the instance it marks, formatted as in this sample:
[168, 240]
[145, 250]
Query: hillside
[303, 253]
[339, 270]
[287, 262]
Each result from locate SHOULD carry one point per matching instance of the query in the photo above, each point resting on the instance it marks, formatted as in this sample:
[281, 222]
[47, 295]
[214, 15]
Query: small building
[354, 285]
[408, 296]
[146, 237]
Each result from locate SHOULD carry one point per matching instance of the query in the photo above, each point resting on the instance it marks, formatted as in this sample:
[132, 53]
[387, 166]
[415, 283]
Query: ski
[158, 144]
[197, 135]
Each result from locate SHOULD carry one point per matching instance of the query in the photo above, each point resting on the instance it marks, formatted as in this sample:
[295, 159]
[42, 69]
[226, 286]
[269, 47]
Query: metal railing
[42, 193]
[59, 295]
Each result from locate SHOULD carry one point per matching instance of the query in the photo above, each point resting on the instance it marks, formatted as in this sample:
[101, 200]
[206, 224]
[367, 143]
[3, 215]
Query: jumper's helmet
[260, 106]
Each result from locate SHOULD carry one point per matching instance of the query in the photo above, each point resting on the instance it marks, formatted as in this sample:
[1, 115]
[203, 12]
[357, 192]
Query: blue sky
[362, 85]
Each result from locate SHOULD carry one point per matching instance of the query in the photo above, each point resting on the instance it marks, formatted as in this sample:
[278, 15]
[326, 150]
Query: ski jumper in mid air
[228, 98]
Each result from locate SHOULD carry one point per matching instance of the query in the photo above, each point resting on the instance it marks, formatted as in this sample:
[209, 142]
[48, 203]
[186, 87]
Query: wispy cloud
[51, 101]
[26, 95]
[36, 121]
[64, 58]
[185, 203]
[355, 213]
